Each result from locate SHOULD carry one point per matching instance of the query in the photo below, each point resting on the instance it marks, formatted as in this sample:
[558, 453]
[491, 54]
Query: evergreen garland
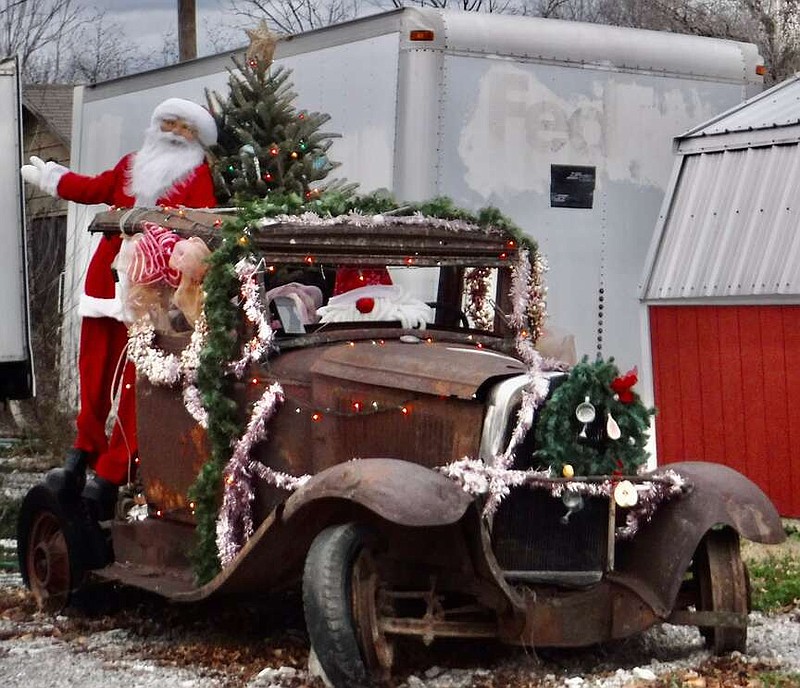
[217, 389]
[558, 429]
[225, 328]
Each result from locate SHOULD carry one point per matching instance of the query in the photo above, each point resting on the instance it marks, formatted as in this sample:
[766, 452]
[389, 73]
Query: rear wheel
[51, 554]
[340, 592]
[722, 585]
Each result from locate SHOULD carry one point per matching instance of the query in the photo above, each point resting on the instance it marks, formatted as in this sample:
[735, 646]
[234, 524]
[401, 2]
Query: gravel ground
[145, 643]
[155, 647]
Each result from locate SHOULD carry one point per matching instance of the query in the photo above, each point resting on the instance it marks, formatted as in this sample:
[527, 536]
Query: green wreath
[596, 392]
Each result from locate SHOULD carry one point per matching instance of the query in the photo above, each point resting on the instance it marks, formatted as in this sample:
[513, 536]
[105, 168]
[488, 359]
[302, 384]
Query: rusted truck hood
[430, 367]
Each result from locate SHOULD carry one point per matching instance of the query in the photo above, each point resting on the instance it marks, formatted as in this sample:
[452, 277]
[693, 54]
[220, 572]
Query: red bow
[622, 385]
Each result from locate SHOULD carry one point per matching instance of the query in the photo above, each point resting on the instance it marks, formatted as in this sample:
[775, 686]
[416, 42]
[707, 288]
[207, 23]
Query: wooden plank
[754, 418]
[687, 376]
[776, 451]
[732, 387]
[710, 382]
[664, 342]
[791, 338]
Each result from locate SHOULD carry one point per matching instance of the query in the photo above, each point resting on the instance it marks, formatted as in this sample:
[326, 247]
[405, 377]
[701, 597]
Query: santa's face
[180, 128]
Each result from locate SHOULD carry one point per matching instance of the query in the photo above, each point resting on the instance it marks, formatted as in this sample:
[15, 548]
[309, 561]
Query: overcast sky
[147, 21]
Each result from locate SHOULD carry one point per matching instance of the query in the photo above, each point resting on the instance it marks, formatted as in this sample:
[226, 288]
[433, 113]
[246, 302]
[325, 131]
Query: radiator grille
[528, 534]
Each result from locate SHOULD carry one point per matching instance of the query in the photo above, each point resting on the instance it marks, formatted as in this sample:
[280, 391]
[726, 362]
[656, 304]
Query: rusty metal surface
[154, 542]
[159, 580]
[655, 561]
[579, 618]
[429, 432]
[172, 449]
[429, 367]
[399, 491]
[684, 617]
[377, 331]
[390, 241]
[439, 628]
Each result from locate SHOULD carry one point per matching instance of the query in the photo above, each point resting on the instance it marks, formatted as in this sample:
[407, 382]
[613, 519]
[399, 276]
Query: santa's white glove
[45, 175]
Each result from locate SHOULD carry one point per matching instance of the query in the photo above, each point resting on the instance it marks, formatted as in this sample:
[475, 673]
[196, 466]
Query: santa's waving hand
[169, 169]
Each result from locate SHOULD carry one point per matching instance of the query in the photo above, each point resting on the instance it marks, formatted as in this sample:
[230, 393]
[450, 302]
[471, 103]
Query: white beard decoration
[164, 160]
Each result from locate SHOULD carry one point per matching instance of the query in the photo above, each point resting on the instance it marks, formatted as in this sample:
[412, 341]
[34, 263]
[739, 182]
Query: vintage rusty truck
[385, 526]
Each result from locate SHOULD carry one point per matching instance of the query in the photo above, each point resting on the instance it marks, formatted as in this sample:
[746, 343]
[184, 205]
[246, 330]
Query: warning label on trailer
[571, 186]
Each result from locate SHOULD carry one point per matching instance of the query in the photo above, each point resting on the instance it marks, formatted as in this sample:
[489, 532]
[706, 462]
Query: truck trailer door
[16, 361]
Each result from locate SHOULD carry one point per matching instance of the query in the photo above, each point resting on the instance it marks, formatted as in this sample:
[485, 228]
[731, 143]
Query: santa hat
[193, 113]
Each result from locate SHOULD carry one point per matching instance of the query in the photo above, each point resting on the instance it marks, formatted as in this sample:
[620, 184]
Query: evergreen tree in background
[265, 144]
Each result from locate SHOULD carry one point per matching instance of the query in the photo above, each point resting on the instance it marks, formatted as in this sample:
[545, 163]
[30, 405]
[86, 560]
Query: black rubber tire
[59, 547]
[327, 602]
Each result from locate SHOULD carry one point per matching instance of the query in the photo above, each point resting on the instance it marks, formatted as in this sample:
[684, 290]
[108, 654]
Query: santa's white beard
[164, 160]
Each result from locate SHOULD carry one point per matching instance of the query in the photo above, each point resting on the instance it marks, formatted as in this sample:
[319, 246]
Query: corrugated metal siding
[727, 386]
[779, 106]
[733, 227]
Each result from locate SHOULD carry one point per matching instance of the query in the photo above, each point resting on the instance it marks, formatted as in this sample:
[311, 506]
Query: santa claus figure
[169, 169]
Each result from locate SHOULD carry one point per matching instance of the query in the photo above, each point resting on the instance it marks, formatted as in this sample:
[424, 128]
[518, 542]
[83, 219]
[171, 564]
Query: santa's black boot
[100, 498]
[68, 481]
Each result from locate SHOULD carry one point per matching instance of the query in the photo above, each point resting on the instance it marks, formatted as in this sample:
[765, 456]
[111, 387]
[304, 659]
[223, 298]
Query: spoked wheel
[340, 599]
[49, 550]
[722, 586]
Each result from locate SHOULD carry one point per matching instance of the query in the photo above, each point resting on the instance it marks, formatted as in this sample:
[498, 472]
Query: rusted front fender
[399, 491]
[653, 564]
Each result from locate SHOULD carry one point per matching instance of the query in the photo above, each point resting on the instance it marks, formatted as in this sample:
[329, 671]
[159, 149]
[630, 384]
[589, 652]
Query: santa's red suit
[103, 339]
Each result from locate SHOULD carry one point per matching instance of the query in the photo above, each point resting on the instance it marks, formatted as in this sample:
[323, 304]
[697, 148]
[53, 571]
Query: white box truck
[566, 127]
[16, 360]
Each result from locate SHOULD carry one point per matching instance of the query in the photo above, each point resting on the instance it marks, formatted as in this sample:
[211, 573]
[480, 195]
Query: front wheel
[722, 585]
[340, 589]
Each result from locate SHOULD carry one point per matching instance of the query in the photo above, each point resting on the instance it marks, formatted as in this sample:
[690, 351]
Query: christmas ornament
[568, 471]
[612, 429]
[585, 413]
[574, 503]
[625, 494]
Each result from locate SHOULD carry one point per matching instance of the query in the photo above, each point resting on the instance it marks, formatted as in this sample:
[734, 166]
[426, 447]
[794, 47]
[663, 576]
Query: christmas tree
[265, 144]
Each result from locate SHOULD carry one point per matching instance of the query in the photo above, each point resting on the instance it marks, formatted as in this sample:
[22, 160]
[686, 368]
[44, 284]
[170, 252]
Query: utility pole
[187, 30]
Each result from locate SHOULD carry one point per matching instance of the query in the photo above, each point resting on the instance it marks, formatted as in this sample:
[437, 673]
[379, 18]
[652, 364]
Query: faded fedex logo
[620, 123]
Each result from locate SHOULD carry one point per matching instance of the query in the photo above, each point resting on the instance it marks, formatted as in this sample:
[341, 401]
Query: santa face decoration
[180, 128]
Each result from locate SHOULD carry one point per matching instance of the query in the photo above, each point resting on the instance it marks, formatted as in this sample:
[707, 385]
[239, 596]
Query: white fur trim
[94, 307]
[390, 303]
[191, 112]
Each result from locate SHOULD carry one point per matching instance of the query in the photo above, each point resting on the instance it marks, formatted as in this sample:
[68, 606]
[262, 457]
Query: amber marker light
[421, 35]
[761, 70]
